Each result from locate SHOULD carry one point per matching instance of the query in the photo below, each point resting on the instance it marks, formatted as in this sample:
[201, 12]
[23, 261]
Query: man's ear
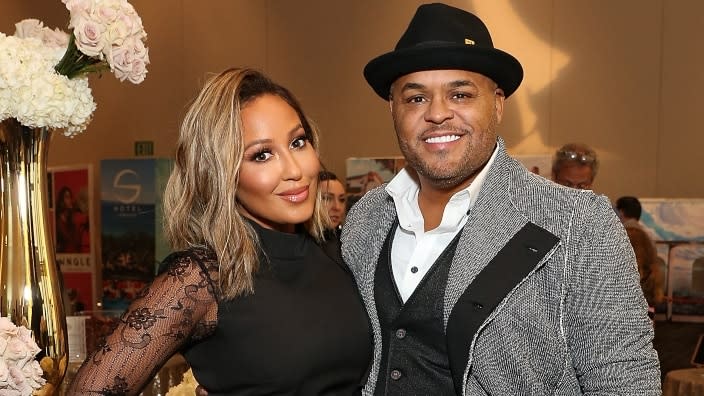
[499, 98]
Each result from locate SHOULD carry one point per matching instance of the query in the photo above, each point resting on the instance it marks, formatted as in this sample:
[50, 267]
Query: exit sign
[143, 148]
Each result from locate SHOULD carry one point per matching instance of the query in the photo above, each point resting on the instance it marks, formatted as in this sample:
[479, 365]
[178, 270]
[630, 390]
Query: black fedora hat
[444, 37]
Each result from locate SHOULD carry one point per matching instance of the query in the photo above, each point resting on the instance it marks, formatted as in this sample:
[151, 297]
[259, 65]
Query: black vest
[414, 358]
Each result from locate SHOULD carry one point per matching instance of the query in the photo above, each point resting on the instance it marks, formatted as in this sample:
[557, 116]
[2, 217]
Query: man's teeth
[442, 139]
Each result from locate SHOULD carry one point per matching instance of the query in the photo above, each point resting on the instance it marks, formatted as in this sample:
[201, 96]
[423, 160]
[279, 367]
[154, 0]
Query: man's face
[445, 123]
[575, 175]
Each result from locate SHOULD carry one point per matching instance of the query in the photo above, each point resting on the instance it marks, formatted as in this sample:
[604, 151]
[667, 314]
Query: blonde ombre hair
[200, 205]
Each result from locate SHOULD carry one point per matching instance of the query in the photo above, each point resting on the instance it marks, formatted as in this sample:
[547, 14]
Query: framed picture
[71, 212]
[366, 173]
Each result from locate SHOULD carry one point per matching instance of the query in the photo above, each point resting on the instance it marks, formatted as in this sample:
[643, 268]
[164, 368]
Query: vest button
[478, 306]
[396, 375]
[401, 334]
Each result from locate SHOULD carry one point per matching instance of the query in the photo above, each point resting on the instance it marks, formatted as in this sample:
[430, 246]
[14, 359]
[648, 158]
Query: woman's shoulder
[196, 261]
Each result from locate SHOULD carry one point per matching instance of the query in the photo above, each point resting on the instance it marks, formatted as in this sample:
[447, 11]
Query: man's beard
[447, 175]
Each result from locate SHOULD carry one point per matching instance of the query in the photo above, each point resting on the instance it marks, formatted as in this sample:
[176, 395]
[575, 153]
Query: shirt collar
[403, 189]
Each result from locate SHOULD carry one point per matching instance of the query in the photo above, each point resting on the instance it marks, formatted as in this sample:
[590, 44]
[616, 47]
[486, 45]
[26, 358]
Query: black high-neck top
[303, 332]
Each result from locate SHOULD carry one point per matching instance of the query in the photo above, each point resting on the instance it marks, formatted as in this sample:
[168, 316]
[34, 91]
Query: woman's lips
[295, 195]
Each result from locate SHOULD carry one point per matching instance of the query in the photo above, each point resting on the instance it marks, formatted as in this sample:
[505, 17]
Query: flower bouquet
[43, 87]
[43, 72]
[20, 373]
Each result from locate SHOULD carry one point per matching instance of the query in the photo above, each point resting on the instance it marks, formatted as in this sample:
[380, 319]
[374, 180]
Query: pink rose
[18, 381]
[16, 351]
[89, 37]
[107, 12]
[7, 328]
[120, 60]
[139, 72]
[4, 373]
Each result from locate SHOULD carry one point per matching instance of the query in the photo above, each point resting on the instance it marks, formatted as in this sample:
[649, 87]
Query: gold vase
[30, 280]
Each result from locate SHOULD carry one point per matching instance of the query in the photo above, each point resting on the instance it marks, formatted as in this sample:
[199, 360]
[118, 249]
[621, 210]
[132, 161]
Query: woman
[335, 198]
[71, 224]
[249, 298]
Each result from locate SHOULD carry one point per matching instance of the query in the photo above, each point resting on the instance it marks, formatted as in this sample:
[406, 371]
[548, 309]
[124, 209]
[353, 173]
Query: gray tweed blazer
[577, 324]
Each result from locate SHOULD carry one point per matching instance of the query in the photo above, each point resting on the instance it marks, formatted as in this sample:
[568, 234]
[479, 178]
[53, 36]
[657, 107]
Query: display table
[169, 375]
[689, 382]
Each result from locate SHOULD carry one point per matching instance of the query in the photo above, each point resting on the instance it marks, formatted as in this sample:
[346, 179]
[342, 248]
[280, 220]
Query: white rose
[79, 9]
[118, 32]
[29, 28]
[55, 38]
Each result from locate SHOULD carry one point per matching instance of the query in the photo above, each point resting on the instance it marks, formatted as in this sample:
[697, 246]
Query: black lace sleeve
[178, 307]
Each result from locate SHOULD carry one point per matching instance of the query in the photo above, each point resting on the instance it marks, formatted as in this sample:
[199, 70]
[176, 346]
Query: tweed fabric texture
[577, 324]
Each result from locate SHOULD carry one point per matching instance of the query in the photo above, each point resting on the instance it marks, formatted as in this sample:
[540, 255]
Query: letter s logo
[130, 192]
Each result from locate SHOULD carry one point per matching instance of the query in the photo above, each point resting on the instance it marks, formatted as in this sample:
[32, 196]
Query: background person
[651, 277]
[249, 297]
[335, 198]
[575, 165]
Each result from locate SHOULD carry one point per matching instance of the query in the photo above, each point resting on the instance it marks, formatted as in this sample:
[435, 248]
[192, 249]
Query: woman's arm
[178, 306]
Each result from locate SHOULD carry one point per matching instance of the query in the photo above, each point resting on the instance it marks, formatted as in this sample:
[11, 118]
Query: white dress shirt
[414, 251]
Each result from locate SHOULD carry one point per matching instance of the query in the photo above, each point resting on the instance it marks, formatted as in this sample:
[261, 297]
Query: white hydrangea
[34, 93]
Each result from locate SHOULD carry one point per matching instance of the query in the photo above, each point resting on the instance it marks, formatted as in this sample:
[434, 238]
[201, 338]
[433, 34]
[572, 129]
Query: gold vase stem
[31, 285]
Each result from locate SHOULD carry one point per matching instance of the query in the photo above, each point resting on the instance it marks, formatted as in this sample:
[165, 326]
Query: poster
[71, 214]
[364, 174]
[677, 226]
[131, 233]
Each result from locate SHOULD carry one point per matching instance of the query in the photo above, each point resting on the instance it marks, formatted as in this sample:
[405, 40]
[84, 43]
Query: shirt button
[401, 334]
[395, 375]
[414, 269]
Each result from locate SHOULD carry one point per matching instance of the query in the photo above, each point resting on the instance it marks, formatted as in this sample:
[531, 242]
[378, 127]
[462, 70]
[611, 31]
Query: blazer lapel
[492, 222]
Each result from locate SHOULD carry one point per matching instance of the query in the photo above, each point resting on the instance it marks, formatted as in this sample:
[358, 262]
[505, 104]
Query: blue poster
[131, 235]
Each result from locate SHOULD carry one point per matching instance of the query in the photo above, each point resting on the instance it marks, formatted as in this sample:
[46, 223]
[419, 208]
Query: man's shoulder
[372, 200]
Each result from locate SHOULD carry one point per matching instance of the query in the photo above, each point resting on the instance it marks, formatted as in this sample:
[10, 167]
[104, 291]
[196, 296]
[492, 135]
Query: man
[479, 276]
[575, 166]
[651, 278]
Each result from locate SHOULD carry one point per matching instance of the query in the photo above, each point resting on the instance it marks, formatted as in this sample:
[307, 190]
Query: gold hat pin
[469, 41]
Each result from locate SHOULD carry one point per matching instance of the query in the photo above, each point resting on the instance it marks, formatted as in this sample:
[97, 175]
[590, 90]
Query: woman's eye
[299, 142]
[261, 156]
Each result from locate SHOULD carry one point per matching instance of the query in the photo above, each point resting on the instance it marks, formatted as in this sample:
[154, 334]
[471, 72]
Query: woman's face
[335, 198]
[279, 172]
[67, 199]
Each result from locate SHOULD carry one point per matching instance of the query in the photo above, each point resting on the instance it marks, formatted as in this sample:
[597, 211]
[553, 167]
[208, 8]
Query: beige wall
[621, 75]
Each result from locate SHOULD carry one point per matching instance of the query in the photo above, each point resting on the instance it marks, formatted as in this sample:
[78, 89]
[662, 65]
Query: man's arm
[609, 334]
